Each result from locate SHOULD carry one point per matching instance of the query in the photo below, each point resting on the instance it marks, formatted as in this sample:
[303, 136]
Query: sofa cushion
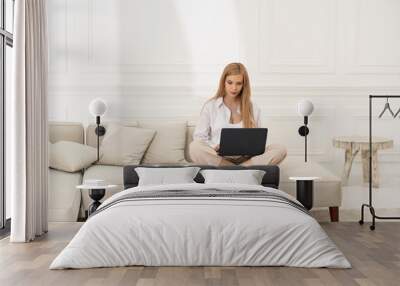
[66, 131]
[189, 139]
[168, 145]
[70, 156]
[124, 145]
[91, 137]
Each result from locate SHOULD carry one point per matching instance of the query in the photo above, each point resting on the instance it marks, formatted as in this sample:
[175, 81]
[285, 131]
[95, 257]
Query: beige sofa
[66, 202]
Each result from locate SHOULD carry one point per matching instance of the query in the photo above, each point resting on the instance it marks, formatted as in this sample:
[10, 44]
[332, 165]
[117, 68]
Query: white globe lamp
[305, 107]
[97, 107]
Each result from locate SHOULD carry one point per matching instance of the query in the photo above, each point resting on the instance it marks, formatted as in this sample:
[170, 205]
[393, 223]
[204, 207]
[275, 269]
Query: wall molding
[268, 65]
[356, 67]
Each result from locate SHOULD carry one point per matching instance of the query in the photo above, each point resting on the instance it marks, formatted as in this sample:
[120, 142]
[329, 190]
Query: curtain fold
[28, 122]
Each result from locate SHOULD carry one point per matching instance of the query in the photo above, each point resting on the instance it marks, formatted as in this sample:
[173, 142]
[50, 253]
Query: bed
[198, 224]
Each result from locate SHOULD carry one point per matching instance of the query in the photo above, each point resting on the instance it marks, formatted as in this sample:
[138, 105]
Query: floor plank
[375, 257]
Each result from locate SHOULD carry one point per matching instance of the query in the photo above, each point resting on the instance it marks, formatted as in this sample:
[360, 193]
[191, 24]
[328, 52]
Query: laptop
[242, 141]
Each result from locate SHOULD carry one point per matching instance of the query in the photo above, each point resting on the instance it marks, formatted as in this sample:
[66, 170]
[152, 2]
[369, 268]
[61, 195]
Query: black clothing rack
[369, 205]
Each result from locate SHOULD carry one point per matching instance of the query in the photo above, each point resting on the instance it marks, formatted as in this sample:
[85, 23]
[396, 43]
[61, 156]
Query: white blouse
[214, 116]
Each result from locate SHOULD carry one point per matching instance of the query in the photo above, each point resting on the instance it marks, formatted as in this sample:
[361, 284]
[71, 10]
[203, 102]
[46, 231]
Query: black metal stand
[100, 131]
[369, 205]
[98, 142]
[96, 195]
[304, 131]
[305, 193]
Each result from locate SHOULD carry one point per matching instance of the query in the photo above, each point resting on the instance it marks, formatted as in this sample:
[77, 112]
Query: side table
[305, 190]
[96, 193]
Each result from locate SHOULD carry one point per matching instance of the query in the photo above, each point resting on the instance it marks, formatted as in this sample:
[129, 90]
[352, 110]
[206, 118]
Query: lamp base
[100, 130]
[304, 131]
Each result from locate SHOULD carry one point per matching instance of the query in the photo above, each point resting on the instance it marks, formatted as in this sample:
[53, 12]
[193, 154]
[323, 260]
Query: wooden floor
[375, 257]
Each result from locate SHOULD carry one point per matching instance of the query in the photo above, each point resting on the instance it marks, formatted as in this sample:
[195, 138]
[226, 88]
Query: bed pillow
[168, 145]
[70, 156]
[123, 145]
[163, 176]
[248, 177]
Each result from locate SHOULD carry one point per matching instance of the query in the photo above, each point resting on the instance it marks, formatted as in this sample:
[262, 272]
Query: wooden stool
[352, 145]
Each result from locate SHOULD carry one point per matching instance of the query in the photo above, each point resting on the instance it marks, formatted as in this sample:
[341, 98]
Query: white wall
[163, 58]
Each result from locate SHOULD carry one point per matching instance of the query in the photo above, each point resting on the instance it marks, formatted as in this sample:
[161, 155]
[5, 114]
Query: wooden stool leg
[334, 213]
[365, 165]
[348, 162]
[375, 170]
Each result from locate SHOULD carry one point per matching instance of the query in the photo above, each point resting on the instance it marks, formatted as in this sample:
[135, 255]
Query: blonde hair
[246, 107]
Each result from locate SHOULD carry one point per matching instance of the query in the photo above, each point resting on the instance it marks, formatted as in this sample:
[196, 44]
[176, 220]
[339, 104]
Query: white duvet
[200, 231]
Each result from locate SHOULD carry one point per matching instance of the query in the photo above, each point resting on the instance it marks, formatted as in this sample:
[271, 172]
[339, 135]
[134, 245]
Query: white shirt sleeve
[203, 126]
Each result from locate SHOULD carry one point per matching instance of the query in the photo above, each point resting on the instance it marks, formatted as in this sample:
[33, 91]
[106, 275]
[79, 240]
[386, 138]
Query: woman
[231, 107]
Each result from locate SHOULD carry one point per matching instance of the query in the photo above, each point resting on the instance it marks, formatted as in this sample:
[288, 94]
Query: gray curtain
[28, 122]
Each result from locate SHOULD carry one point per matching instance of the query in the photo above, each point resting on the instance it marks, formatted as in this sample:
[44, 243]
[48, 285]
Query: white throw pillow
[248, 177]
[168, 145]
[71, 156]
[163, 176]
[124, 145]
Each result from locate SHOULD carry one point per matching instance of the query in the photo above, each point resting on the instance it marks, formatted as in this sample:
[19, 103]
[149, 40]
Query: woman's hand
[216, 148]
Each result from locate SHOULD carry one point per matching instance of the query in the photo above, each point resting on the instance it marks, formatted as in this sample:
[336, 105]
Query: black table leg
[96, 195]
[305, 193]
